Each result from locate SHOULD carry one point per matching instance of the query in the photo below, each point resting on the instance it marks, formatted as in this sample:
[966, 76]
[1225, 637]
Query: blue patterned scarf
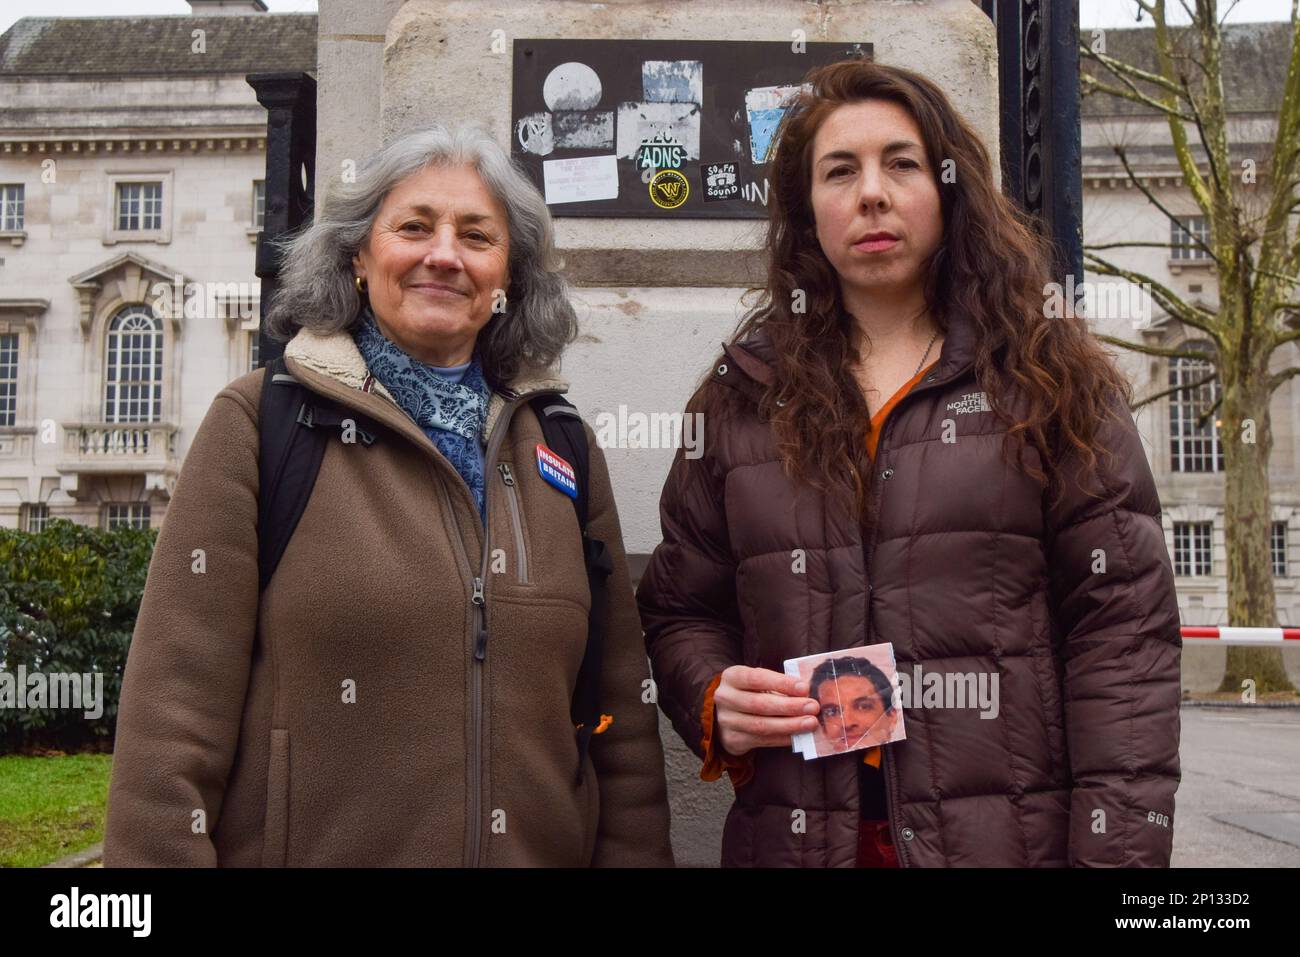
[452, 414]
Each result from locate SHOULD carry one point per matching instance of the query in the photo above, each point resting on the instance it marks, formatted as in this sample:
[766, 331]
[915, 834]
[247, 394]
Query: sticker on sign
[580, 180]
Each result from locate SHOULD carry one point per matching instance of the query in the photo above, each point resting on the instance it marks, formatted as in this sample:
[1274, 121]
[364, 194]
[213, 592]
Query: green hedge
[69, 596]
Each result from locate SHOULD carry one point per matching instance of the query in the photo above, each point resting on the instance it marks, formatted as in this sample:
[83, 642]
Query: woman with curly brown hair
[905, 443]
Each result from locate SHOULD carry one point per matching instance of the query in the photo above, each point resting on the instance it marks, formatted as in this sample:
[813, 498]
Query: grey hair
[317, 287]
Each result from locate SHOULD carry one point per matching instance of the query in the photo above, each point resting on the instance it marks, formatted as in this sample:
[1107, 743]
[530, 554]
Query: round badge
[669, 189]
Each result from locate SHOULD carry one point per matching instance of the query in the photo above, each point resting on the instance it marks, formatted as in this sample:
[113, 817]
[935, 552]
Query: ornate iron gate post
[1038, 74]
[290, 101]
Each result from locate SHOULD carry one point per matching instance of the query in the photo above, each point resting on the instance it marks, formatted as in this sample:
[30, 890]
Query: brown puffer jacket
[966, 570]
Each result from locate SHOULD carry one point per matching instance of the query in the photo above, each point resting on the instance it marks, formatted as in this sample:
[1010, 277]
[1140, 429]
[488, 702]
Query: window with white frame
[139, 207]
[133, 367]
[259, 203]
[8, 378]
[1192, 554]
[36, 516]
[126, 515]
[1193, 446]
[1277, 548]
[11, 207]
[1183, 236]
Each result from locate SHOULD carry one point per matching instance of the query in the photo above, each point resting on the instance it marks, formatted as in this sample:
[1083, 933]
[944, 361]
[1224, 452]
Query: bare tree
[1248, 205]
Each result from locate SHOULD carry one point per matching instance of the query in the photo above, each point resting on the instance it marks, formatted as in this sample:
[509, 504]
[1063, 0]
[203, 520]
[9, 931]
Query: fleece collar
[338, 357]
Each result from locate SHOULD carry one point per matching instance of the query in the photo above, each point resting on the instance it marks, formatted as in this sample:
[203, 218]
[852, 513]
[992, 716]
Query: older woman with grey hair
[384, 673]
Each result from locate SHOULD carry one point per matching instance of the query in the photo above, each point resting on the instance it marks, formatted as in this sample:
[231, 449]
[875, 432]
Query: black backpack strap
[562, 428]
[294, 427]
[565, 435]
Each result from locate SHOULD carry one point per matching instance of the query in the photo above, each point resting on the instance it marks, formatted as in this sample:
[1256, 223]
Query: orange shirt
[741, 769]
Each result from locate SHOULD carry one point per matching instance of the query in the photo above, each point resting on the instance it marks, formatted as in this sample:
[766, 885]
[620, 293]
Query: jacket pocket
[275, 832]
[516, 522]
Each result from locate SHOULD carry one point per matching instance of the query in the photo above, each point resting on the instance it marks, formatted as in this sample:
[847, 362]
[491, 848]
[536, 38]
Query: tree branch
[1205, 416]
[1160, 351]
[1178, 388]
[1292, 280]
[1122, 245]
[1123, 158]
[1183, 312]
[1120, 70]
[1275, 382]
[1200, 131]
[1276, 251]
[1226, 13]
[1091, 84]
[1292, 336]
[1182, 149]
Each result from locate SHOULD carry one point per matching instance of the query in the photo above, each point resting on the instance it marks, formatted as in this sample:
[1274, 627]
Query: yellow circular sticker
[669, 189]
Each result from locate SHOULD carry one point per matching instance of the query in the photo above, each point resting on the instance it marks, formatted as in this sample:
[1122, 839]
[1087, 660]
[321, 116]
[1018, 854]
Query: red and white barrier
[1240, 636]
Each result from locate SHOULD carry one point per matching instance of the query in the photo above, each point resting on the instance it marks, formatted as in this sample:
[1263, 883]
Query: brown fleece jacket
[344, 719]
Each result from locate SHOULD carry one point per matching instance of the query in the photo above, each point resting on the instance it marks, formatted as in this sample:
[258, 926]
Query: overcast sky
[1092, 13]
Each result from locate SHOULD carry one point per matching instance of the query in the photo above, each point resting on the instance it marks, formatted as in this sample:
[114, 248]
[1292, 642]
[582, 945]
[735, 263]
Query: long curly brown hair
[992, 265]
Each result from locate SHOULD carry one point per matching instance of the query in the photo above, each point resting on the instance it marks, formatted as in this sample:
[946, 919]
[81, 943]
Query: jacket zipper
[478, 598]
[512, 499]
[891, 795]
[478, 603]
[475, 820]
[892, 799]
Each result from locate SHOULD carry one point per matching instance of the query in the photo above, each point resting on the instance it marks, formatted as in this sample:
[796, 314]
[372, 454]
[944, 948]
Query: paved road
[1239, 801]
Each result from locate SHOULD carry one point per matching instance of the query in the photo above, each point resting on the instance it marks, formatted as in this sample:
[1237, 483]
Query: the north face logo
[970, 402]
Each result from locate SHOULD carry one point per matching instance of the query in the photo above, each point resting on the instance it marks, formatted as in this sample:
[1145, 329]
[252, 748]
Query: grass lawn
[51, 806]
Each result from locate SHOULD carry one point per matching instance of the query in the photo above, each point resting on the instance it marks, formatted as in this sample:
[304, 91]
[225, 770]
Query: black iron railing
[290, 101]
[1038, 89]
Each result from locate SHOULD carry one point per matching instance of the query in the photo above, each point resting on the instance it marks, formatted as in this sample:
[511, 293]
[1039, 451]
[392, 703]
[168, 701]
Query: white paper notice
[580, 180]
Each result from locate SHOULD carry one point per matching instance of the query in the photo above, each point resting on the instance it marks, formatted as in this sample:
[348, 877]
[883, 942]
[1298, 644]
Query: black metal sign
[664, 128]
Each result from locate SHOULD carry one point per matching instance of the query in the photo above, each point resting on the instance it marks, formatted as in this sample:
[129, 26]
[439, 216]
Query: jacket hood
[338, 357]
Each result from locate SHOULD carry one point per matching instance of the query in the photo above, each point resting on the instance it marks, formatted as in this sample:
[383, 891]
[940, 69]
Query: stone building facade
[132, 152]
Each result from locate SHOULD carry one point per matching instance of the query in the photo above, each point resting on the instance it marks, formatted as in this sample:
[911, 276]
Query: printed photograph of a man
[858, 699]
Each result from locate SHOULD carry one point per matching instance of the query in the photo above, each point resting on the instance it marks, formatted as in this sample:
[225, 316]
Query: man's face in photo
[850, 706]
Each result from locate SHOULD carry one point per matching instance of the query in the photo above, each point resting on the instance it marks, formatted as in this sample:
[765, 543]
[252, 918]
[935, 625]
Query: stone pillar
[655, 297]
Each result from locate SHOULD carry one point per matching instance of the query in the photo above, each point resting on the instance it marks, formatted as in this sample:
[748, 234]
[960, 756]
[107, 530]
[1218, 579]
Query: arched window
[1193, 448]
[134, 367]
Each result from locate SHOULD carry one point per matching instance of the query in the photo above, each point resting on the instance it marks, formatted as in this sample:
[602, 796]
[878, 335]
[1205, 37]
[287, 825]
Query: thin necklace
[927, 353]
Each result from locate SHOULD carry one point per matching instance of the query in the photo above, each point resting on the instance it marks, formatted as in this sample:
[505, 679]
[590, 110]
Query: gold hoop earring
[360, 284]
